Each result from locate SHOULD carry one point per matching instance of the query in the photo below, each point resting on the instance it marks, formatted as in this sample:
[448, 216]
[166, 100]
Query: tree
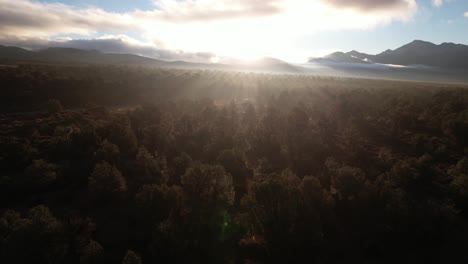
[273, 204]
[180, 164]
[459, 175]
[131, 258]
[120, 132]
[156, 201]
[203, 222]
[92, 253]
[148, 169]
[82, 229]
[208, 186]
[347, 181]
[54, 106]
[106, 180]
[38, 237]
[234, 163]
[41, 173]
[107, 151]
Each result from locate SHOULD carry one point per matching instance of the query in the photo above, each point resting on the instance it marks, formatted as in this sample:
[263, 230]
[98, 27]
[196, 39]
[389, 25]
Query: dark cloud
[369, 5]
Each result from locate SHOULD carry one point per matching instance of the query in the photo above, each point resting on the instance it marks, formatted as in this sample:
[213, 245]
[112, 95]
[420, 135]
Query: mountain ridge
[418, 52]
[74, 55]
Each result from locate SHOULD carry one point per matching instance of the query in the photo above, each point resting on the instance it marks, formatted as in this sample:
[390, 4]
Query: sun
[237, 39]
[246, 57]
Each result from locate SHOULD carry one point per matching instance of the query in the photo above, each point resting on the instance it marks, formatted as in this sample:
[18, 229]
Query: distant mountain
[269, 64]
[268, 61]
[359, 55]
[265, 64]
[339, 57]
[7, 52]
[445, 55]
[71, 55]
[350, 64]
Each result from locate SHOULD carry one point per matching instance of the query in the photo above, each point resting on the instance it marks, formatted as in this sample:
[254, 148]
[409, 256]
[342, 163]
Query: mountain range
[418, 61]
[445, 55]
[9, 54]
[418, 52]
[71, 55]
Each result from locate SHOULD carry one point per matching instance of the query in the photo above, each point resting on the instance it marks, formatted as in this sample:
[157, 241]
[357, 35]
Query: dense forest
[120, 164]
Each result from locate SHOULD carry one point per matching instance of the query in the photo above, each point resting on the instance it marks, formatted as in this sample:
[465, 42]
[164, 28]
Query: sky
[222, 30]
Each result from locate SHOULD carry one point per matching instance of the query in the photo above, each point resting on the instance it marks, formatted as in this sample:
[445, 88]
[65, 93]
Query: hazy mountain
[269, 64]
[359, 55]
[448, 61]
[7, 52]
[339, 57]
[268, 61]
[72, 55]
[445, 55]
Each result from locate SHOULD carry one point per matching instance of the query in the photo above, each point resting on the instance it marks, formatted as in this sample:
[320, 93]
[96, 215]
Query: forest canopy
[120, 164]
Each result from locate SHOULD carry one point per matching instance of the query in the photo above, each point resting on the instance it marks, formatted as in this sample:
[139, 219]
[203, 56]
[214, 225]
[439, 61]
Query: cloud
[439, 3]
[41, 19]
[188, 25]
[211, 10]
[370, 5]
[206, 10]
[237, 28]
[466, 14]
